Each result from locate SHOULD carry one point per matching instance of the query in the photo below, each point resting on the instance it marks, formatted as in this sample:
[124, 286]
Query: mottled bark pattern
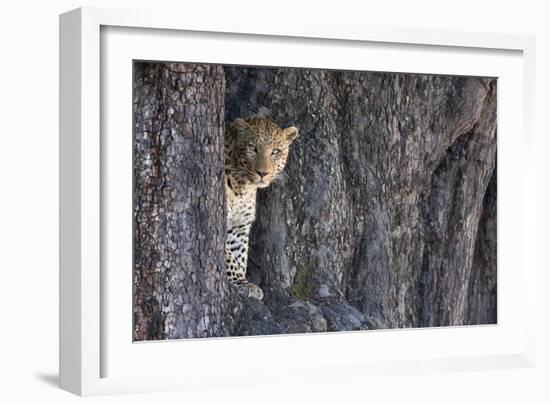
[179, 209]
[377, 226]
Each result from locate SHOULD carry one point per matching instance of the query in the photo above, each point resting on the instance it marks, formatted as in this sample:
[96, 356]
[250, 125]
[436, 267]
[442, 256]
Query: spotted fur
[256, 151]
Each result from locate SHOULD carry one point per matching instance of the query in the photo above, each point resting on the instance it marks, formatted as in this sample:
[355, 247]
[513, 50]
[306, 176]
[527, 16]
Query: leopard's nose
[262, 173]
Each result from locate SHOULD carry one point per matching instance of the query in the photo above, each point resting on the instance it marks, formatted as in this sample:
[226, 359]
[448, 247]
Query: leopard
[256, 152]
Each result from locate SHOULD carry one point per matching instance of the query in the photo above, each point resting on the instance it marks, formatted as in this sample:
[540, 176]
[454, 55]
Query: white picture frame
[85, 306]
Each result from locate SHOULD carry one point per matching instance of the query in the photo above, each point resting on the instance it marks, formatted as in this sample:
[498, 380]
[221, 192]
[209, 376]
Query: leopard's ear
[240, 123]
[291, 133]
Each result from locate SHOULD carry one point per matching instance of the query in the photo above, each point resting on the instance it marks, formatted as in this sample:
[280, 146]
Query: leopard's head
[259, 150]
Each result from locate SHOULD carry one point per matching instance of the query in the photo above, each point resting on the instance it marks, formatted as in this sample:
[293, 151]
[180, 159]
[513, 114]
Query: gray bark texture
[179, 210]
[387, 218]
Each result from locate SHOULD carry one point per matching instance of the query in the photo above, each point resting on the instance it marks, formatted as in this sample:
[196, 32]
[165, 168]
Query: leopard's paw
[251, 290]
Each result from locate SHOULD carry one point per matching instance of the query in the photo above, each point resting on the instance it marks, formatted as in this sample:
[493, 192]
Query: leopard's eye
[276, 151]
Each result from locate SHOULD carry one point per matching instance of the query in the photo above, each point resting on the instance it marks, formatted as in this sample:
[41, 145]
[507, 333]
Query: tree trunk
[378, 225]
[179, 211]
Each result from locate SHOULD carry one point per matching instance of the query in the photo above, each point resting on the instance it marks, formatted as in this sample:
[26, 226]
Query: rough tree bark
[387, 219]
[179, 211]
[378, 225]
[483, 283]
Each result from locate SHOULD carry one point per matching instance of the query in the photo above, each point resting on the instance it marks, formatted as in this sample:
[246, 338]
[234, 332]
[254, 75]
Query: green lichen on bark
[299, 288]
